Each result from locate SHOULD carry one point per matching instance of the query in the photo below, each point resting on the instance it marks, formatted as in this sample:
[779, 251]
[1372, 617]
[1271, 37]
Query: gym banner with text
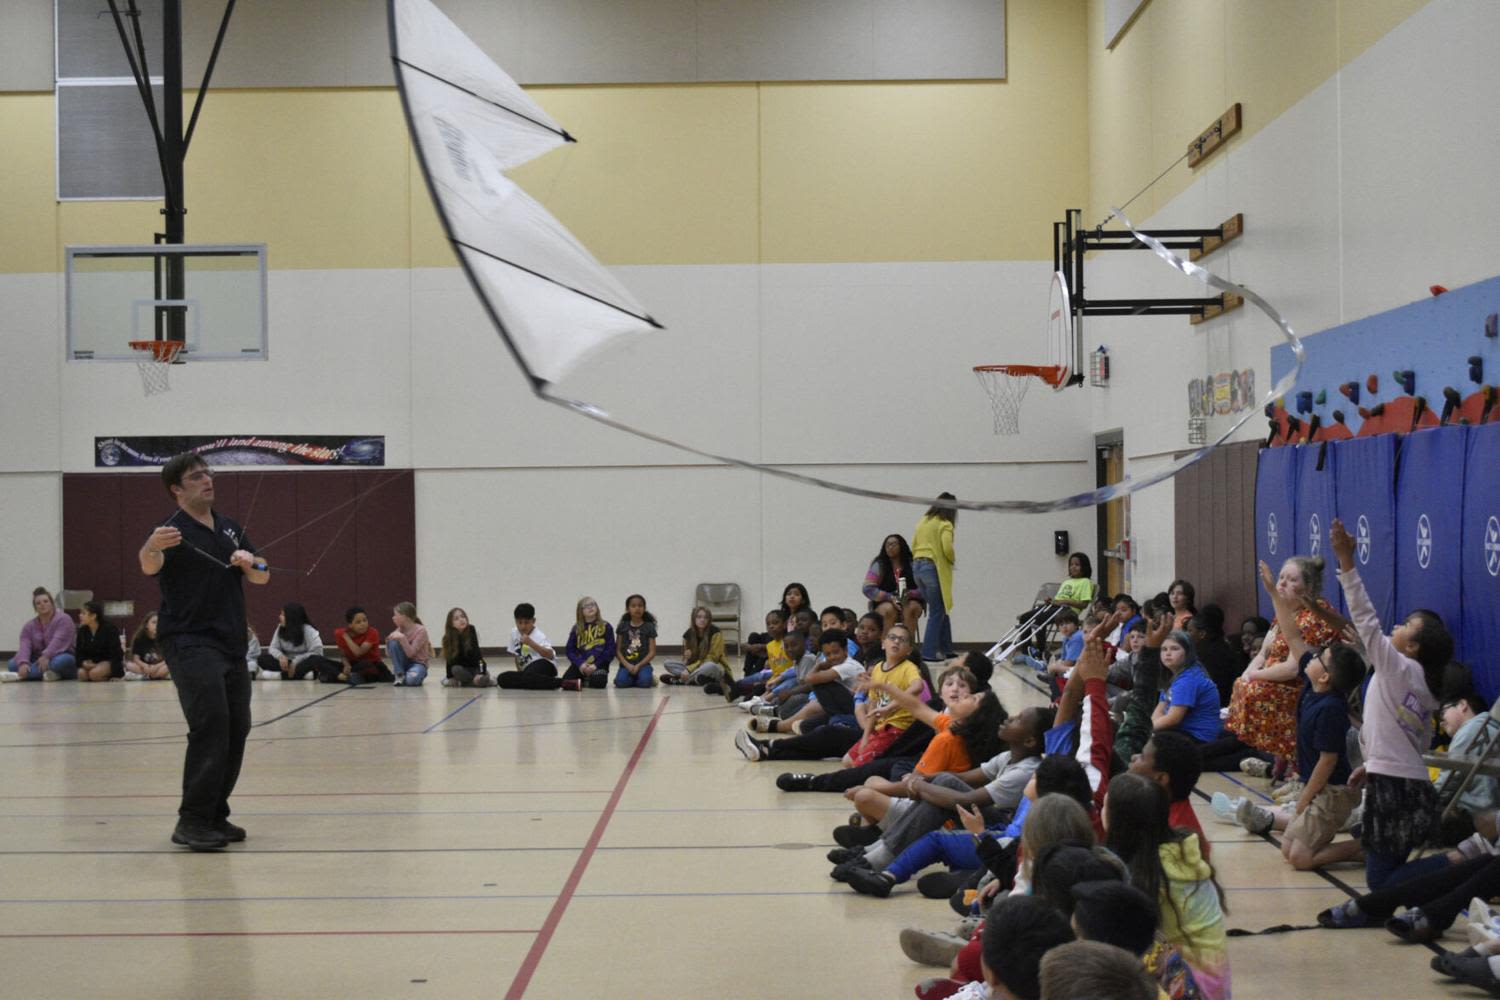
[247, 449]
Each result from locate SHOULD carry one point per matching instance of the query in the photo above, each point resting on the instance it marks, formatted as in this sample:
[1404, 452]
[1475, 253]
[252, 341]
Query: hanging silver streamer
[1131, 484]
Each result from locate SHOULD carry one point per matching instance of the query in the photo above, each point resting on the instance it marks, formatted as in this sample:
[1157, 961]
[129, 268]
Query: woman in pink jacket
[45, 651]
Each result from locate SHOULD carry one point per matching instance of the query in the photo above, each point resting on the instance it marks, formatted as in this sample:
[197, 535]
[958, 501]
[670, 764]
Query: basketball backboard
[117, 294]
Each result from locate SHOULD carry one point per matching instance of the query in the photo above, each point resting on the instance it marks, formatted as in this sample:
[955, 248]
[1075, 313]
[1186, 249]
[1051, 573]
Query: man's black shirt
[203, 601]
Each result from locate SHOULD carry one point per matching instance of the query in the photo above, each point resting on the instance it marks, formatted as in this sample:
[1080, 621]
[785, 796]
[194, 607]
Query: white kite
[551, 302]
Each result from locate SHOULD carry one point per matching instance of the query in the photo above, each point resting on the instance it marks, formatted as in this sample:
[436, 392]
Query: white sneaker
[265, 675]
[131, 675]
[747, 746]
[400, 680]
[1253, 817]
[1225, 808]
[449, 682]
[51, 675]
[751, 704]
[1255, 767]
[6, 676]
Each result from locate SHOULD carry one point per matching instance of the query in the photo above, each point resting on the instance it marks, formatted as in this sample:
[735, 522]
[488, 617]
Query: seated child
[995, 787]
[409, 648]
[1096, 970]
[703, 660]
[1465, 719]
[1329, 677]
[359, 648]
[145, 662]
[591, 647]
[536, 660]
[1191, 700]
[462, 660]
[635, 638]
[769, 663]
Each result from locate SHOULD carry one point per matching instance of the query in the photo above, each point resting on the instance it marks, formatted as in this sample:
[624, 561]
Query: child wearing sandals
[703, 660]
[591, 647]
[635, 638]
[1400, 803]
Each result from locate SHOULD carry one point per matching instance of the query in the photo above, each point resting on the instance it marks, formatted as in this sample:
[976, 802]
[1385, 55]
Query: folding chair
[723, 603]
[1036, 620]
[1484, 758]
[73, 600]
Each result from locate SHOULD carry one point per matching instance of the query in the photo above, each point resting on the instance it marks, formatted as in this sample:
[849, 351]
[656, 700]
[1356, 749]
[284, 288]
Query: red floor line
[198, 934]
[549, 926]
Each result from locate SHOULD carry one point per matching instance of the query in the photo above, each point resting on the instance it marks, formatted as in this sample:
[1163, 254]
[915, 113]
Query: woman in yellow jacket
[932, 562]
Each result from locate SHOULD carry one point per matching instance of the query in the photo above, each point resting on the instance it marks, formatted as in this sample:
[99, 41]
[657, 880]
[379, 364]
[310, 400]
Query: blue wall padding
[1275, 512]
[1316, 508]
[1479, 629]
[1366, 474]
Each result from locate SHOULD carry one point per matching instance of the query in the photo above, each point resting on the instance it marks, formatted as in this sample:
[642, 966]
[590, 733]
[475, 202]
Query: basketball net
[153, 359]
[1006, 386]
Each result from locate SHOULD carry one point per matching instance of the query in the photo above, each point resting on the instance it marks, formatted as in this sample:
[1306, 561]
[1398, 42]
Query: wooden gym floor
[456, 843]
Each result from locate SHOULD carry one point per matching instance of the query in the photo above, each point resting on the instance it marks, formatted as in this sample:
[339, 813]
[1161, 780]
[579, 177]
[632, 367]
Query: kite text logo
[1362, 539]
[1271, 533]
[1424, 541]
[1314, 535]
[1492, 546]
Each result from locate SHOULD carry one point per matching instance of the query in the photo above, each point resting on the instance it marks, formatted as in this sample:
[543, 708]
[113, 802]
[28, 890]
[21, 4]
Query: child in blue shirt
[1191, 703]
[1329, 676]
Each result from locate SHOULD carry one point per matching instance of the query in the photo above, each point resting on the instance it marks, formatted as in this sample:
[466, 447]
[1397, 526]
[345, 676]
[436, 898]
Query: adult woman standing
[932, 561]
[1263, 704]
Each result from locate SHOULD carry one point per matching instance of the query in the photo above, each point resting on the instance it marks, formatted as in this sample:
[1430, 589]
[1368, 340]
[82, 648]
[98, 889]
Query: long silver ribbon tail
[1090, 498]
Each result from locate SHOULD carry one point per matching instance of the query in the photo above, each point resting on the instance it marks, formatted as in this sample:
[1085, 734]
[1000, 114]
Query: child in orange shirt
[968, 730]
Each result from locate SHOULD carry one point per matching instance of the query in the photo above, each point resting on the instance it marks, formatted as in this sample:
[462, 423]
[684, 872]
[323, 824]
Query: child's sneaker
[794, 782]
[401, 680]
[1225, 808]
[1288, 792]
[572, 684]
[6, 676]
[449, 682]
[747, 745]
[751, 704]
[1255, 767]
[926, 947]
[131, 675]
[1254, 818]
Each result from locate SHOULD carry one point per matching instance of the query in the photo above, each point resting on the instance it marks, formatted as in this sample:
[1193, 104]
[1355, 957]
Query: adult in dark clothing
[1222, 661]
[200, 558]
[100, 655]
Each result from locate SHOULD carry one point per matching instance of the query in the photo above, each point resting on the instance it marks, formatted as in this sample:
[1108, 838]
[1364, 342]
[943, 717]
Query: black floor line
[1326, 876]
[310, 704]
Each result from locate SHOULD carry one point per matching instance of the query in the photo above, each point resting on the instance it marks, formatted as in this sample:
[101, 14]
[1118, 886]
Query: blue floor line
[451, 714]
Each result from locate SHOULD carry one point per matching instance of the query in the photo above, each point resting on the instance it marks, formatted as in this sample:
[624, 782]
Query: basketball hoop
[153, 359]
[1006, 386]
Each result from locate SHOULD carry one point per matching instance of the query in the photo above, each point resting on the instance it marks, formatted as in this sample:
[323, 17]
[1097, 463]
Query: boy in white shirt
[536, 660]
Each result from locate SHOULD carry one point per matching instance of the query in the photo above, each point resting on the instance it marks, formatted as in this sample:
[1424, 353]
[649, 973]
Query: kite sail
[551, 302]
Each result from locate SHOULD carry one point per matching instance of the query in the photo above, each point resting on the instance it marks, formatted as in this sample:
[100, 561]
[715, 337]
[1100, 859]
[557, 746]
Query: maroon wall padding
[1215, 530]
[333, 538]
